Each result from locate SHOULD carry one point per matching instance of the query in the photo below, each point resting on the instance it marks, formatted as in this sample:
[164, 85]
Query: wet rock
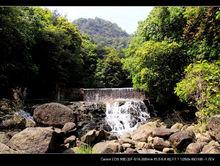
[90, 115]
[160, 144]
[107, 147]
[33, 140]
[53, 114]
[181, 139]
[4, 138]
[163, 132]
[195, 148]
[214, 127]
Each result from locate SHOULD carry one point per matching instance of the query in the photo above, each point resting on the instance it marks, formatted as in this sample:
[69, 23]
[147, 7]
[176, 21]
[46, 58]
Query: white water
[126, 115]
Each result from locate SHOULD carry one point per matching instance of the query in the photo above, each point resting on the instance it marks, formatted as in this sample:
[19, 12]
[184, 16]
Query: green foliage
[201, 88]
[83, 149]
[17, 38]
[109, 71]
[201, 33]
[89, 53]
[43, 51]
[156, 67]
[104, 33]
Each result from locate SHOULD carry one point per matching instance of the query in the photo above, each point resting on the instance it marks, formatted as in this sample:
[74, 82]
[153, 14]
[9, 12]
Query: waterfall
[125, 115]
[105, 94]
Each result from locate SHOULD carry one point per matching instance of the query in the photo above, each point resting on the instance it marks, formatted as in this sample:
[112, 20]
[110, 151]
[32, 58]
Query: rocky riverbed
[57, 128]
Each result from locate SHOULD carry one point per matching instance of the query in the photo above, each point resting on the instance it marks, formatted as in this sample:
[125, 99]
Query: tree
[200, 87]
[17, 38]
[109, 71]
[156, 67]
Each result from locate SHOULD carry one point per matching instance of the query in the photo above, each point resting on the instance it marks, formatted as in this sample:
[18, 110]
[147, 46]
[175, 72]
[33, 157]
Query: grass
[83, 149]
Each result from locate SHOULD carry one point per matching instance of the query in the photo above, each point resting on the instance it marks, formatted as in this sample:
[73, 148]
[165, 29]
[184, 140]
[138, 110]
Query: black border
[112, 159]
[110, 2]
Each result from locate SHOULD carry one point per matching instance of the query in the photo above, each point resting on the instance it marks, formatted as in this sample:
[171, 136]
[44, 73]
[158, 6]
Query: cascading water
[126, 115]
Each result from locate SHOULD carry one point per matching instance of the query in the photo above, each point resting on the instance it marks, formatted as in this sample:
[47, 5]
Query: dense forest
[43, 52]
[104, 33]
[173, 56]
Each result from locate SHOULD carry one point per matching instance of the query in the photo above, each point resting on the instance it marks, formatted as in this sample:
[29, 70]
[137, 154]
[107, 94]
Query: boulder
[141, 145]
[94, 136]
[33, 140]
[168, 150]
[160, 144]
[195, 148]
[127, 140]
[53, 114]
[89, 137]
[4, 149]
[181, 139]
[68, 127]
[30, 123]
[71, 141]
[203, 137]
[126, 145]
[211, 148]
[90, 115]
[177, 126]
[68, 151]
[130, 151]
[163, 132]
[4, 138]
[16, 121]
[107, 147]
[149, 151]
[214, 127]
[143, 132]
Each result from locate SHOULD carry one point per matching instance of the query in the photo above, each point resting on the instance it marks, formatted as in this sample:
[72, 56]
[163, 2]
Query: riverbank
[81, 128]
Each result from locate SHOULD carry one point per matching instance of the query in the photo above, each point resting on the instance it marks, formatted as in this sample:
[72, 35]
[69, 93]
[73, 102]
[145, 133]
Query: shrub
[201, 88]
[83, 149]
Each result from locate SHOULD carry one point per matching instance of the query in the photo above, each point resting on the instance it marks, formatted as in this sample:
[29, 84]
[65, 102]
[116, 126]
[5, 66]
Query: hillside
[103, 32]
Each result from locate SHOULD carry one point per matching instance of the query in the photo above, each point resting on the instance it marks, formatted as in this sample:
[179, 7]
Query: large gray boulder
[163, 132]
[107, 147]
[53, 114]
[181, 139]
[33, 140]
[195, 148]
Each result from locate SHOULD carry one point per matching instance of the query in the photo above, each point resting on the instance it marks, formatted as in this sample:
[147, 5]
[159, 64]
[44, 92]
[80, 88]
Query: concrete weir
[102, 94]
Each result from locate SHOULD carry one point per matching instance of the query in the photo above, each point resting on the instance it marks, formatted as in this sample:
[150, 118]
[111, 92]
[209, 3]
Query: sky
[126, 17]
